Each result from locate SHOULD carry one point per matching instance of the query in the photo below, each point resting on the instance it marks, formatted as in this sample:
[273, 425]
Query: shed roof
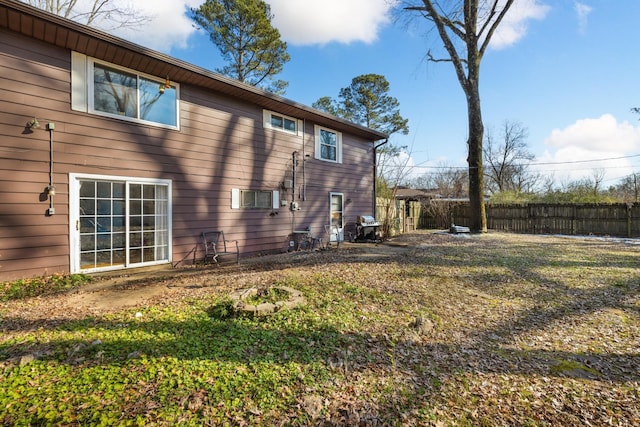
[410, 193]
[62, 32]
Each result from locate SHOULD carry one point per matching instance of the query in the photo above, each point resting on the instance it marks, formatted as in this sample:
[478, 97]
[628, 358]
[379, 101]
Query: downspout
[304, 162]
[293, 207]
[375, 175]
[294, 162]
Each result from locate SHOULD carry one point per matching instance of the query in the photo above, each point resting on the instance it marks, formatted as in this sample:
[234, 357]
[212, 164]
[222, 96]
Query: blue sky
[567, 70]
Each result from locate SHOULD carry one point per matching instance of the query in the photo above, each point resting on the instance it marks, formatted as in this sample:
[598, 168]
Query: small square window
[290, 125]
[280, 122]
[277, 122]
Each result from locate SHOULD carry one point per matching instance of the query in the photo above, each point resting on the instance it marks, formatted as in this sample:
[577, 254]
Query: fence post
[629, 215]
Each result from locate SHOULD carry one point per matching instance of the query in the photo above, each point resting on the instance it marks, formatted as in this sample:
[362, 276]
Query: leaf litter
[428, 329]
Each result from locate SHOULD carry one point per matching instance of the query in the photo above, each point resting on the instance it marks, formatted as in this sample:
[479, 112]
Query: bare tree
[392, 170]
[447, 181]
[450, 186]
[453, 183]
[391, 163]
[465, 28]
[598, 176]
[583, 190]
[103, 14]
[506, 157]
[628, 189]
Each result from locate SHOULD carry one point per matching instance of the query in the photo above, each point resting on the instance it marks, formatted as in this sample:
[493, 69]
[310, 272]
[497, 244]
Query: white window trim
[82, 87]
[336, 234]
[266, 119]
[318, 151]
[74, 208]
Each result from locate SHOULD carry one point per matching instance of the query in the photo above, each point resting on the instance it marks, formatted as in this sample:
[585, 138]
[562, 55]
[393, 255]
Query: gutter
[375, 174]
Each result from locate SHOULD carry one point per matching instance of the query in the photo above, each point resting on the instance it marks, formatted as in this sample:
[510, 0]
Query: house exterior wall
[221, 144]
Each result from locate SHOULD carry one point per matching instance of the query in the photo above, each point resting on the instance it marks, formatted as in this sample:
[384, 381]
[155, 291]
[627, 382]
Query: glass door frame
[336, 235]
[75, 265]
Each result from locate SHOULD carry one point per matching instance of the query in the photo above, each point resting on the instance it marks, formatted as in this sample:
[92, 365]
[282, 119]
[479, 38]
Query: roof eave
[53, 29]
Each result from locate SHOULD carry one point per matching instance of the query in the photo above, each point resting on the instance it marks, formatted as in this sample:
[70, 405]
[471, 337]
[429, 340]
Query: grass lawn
[484, 330]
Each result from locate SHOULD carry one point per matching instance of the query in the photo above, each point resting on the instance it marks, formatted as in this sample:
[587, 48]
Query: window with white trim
[328, 144]
[108, 90]
[254, 199]
[277, 121]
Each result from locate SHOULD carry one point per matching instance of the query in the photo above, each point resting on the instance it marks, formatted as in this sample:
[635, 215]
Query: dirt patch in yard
[134, 288]
[139, 287]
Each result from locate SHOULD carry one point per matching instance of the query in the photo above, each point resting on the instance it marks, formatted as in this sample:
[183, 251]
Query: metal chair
[330, 231]
[306, 240]
[315, 240]
[215, 245]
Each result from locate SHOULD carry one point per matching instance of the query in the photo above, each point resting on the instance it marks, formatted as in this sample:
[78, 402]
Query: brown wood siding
[221, 145]
[34, 82]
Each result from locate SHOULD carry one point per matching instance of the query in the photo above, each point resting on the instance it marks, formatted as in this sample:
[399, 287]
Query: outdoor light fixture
[164, 86]
[51, 190]
[33, 124]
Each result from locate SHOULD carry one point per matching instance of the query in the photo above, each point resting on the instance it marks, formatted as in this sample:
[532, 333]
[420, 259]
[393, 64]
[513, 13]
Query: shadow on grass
[246, 341]
[487, 350]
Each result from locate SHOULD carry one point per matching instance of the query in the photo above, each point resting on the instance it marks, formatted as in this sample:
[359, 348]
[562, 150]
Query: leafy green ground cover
[524, 331]
[35, 286]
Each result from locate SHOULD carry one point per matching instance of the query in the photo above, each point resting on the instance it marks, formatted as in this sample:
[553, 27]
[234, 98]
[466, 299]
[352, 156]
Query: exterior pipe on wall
[51, 190]
[375, 174]
[294, 162]
[304, 161]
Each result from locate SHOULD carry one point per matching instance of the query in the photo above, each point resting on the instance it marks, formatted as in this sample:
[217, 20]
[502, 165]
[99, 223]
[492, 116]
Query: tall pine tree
[251, 46]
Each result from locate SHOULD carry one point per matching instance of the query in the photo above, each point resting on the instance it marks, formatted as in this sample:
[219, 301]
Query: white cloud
[514, 25]
[592, 144]
[601, 134]
[583, 11]
[308, 22]
[300, 22]
[168, 28]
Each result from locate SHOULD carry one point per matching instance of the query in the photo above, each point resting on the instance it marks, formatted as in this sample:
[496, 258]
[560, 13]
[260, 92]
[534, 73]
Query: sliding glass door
[119, 222]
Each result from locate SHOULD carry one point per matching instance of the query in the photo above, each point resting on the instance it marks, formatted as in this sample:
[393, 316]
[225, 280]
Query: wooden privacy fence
[397, 216]
[616, 219]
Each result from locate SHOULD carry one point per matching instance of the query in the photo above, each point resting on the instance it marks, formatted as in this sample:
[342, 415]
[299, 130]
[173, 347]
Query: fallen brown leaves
[521, 330]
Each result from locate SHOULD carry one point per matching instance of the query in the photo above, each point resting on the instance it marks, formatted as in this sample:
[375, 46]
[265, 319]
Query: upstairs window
[281, 122]
[328, 145]
[108, 90]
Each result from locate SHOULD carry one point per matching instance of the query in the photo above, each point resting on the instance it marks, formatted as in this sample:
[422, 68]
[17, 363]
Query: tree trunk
[476, 170]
